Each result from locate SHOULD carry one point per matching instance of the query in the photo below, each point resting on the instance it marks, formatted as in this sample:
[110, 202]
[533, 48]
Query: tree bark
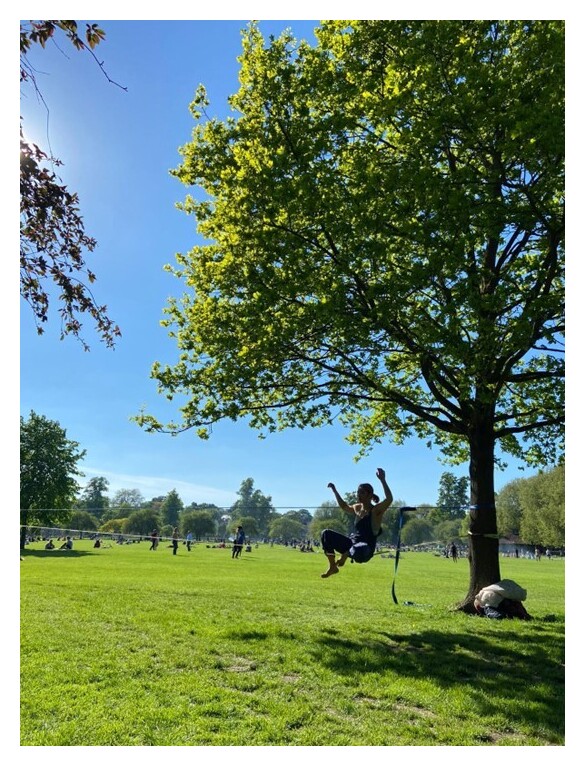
[484, 564]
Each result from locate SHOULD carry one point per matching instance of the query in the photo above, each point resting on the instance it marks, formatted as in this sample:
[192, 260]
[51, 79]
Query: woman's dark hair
[368, 487]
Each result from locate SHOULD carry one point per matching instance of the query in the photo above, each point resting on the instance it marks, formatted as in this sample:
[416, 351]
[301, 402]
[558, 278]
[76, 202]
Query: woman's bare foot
[331, 571]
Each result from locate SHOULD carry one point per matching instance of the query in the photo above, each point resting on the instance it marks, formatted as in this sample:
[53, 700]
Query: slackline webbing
[397, 557]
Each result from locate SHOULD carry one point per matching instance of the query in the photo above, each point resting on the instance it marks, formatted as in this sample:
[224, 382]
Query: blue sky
[117, 148]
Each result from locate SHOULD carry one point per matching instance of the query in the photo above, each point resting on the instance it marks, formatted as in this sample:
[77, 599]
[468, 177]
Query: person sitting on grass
[50, 546]
[67, 545]
[368, 513]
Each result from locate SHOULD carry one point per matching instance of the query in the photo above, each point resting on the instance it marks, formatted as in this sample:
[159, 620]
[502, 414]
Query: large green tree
[287, 528]
[171, 508]
[417, 531]
[301, 514]
[124, 502]
[542, 500]
[132, 498]
[328, 516]
[453, 500]
[93, 498]
[113, 525]
[200, 523]
[140, 522]
[254, 503]
[48, 473]
[449, 530]
[82, 521]
[509, 509]
[384, 226]
[249, 525]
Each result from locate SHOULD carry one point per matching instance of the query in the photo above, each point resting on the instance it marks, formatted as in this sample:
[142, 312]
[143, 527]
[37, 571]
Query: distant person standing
[175, 540]
[238, 542]
[454, 552]
[153, 540]
[538, 552]
[189, 540]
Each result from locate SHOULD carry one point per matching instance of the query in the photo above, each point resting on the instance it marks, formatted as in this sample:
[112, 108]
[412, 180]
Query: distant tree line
[128, 512]
[50, 495]
[534, 508]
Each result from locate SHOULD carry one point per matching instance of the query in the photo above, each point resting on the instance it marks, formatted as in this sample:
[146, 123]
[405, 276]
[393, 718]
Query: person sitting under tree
[368, 513]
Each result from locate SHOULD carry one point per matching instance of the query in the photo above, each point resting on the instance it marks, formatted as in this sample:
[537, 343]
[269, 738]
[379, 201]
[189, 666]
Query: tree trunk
[484, 564]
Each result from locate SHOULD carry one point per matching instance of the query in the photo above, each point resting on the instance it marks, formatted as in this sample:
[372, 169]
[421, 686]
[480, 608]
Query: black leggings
[332, 541]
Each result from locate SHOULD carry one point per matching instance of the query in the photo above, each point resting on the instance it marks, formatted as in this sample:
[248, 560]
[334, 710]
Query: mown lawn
[124, 646]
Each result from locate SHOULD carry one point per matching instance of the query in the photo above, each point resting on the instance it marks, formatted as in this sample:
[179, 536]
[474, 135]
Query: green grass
[124, 646]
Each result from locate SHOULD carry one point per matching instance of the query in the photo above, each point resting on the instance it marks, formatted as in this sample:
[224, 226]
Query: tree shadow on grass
[57, 553]
[526, 684]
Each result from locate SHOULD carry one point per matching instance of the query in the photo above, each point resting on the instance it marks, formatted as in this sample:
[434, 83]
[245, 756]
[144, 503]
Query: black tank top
[363, 532]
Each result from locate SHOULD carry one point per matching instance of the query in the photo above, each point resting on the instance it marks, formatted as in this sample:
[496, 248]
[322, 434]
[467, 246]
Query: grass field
[125, 647]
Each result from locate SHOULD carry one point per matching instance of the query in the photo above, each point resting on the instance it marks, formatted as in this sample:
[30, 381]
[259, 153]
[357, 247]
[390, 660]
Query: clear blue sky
[117, 148]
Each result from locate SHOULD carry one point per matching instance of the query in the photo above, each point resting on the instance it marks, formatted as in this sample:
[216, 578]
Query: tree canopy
[200, 523]
[508, 508]
[252, 503]
[128, 498]
[384, 216]
[534, 508]
[171, 508]
[542, 499]
[82, 521]
[417, 531]
[93, 498]
[453, 500]
[48, 472]
[286, 528]
[249, 525]
[139, 522]
[329, 516]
